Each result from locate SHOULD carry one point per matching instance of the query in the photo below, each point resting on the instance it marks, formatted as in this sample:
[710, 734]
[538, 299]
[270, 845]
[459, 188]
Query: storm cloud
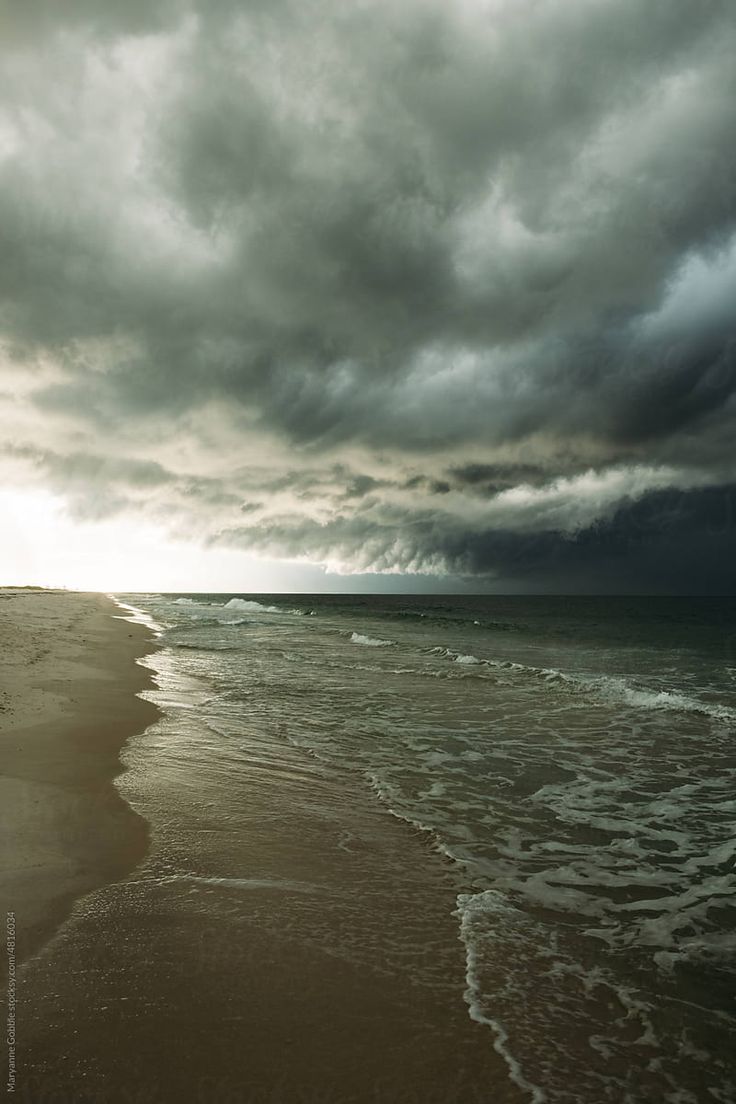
[429, 287]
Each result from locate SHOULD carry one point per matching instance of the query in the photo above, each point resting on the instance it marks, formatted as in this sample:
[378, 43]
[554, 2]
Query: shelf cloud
[420, 288]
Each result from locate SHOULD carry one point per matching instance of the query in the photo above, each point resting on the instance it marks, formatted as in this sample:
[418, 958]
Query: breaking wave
[249, 606]
[370, 641]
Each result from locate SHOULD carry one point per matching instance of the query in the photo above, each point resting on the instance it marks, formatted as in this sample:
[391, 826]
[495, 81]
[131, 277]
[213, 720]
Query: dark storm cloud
[682, 541]
[404, 287]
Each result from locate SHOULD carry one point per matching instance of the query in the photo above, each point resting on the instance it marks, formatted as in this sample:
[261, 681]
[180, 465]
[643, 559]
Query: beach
[280, 936]
[68, 702]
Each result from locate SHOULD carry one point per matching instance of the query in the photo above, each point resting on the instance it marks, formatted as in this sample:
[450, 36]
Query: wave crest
[370, 641]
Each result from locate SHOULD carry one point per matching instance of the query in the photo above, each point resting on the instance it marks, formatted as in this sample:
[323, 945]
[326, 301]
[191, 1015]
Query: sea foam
[248, 606]
[370, 641]
[612, 688]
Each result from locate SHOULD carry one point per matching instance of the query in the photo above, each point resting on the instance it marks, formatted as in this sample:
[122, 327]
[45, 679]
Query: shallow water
[574, 759]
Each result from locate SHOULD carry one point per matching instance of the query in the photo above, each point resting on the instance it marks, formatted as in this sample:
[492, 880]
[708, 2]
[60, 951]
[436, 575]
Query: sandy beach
[269, 935]
[68, 685]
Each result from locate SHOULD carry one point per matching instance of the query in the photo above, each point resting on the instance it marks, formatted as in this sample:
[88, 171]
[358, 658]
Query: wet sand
[68, 685]
[284, 939]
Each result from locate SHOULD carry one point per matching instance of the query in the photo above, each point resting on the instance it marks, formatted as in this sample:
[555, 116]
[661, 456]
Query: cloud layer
[419, 288]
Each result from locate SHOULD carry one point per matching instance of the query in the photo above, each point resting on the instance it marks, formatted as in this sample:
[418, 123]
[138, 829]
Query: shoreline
[68, 703]
[286, 938]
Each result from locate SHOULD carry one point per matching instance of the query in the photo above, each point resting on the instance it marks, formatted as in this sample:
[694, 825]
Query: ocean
[570, 763]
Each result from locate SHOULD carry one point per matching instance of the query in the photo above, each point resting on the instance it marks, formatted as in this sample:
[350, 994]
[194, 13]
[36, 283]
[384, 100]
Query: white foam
[370, 641]
[389, 795]
[670, 699]
[471, 906]
[615, 689]
[248, 606]
[459, 657]
[137, 616]
[622, 690]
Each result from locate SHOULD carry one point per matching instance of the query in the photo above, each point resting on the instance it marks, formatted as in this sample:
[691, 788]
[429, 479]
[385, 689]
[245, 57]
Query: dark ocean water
[574, 759]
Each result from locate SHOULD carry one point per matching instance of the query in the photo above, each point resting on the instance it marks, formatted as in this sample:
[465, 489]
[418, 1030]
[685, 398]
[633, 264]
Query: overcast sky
[434, 292]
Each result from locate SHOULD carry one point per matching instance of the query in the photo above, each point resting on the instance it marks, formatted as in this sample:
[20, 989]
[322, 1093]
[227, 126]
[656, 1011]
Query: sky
[320, 295]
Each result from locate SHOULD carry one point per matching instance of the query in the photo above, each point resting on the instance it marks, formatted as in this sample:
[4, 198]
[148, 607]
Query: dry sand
[68, 684]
